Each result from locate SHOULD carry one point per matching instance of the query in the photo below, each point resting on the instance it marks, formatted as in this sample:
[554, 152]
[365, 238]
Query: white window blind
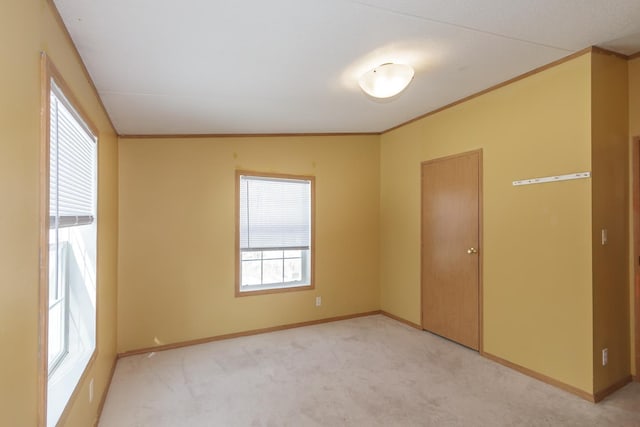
[275, 213]
[72, 166]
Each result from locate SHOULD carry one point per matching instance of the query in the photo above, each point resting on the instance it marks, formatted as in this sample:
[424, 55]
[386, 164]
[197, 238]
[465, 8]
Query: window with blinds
[72, 241]
[275, 228]
[72, 167]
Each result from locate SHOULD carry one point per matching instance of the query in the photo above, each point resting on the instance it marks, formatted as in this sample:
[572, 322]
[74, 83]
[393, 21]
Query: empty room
[320, 213]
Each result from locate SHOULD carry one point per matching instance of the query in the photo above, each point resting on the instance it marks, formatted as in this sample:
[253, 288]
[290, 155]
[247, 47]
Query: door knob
[471, 251]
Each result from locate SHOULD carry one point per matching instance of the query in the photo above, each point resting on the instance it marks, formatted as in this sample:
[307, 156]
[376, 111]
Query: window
[275, 232]
[71, 243]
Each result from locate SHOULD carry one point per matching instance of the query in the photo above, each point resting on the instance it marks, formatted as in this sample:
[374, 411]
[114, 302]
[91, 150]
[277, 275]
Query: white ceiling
[291, 66]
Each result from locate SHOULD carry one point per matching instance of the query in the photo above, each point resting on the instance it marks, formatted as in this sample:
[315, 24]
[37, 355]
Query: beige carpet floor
[369, 371]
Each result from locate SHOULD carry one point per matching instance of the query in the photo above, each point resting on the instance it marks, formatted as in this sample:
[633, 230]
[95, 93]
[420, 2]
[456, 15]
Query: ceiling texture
[291, 66]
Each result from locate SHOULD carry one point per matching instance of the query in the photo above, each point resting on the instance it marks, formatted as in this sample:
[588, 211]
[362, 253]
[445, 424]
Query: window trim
[312, 247]
[49, 73]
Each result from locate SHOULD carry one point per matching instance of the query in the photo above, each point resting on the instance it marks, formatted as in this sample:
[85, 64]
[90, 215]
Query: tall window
[275, 232]
[71, 317]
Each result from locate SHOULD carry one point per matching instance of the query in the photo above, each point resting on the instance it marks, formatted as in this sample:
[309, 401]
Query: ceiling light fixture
[386, 80]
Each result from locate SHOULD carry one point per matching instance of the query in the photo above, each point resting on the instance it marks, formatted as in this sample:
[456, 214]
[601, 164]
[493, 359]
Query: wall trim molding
[103, 399]
[593, 398]
[257, 332]
[244, 334]
[591, 49]
[541, 377]
[242, 135]
[401, 320]
[499, 85]
[598, 396]
[601, 50]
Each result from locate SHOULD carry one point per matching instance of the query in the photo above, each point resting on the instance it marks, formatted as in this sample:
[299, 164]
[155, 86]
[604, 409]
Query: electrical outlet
[318, 301]
[605, 356]
[91, 390]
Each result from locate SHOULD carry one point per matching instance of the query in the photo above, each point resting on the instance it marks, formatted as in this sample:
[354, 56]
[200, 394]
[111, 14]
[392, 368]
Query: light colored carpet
[369, 371]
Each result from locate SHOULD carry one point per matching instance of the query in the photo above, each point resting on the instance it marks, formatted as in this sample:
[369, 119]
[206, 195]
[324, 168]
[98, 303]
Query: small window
[275, 232]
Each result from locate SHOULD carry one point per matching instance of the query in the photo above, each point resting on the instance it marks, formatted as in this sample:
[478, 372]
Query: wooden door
[451, 201]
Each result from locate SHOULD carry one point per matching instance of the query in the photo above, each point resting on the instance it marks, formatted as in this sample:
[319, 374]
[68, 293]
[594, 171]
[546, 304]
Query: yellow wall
[400, 156]
[177, 228]
[609, 165]
[634, 131]
[177, 222]
[26, 28]
[537, 239]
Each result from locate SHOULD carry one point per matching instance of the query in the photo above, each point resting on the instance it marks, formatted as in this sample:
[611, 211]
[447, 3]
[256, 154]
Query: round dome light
[386, 80]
